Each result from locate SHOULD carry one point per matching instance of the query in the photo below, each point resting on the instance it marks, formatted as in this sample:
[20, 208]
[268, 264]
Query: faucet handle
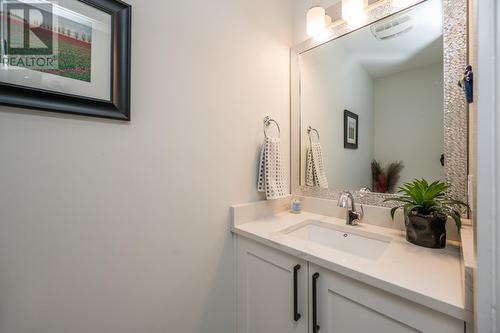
[362, 213]
[343, 200]
[354, 217]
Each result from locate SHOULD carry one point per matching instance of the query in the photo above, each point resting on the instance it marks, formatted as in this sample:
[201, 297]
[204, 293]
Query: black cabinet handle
[296, 314]
[315, 302]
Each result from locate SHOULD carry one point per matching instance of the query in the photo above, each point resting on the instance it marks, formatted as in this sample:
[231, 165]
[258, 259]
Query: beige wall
[110, 227]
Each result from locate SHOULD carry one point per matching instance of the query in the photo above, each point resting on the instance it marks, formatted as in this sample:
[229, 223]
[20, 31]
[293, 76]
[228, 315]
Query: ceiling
[421, 46]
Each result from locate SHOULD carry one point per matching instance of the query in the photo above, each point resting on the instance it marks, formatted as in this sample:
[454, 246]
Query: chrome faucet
[353, 217]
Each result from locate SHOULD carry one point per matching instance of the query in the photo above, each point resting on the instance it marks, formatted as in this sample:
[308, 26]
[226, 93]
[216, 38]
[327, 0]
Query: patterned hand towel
[315, 167]
[272, 180]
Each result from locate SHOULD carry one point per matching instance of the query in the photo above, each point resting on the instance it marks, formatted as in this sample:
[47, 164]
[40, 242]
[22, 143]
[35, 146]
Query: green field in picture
[72, 46]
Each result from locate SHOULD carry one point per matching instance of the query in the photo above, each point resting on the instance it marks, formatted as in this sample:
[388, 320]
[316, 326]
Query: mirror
[372, 104]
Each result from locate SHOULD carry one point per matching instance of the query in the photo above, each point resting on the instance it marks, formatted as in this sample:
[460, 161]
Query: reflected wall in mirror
[390, 76]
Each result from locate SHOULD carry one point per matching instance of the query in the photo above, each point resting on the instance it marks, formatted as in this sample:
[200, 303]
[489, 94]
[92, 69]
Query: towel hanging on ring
[271, 176]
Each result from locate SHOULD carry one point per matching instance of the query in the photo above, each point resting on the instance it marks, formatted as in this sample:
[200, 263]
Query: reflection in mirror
[375, 99]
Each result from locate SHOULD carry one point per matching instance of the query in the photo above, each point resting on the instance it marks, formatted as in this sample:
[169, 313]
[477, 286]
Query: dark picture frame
[119, 105]
[351, 135]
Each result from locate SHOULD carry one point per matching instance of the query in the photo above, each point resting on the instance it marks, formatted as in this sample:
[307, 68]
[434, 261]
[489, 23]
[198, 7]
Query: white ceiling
[421, 46]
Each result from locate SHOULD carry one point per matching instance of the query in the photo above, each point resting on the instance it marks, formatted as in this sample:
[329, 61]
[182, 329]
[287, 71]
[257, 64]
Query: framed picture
[70, 56]
[350, 130]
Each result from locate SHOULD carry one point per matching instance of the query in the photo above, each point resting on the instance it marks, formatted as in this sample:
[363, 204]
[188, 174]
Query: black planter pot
[427, 231]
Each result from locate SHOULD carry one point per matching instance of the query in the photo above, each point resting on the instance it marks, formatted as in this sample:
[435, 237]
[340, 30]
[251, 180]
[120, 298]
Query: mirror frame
[455, 107]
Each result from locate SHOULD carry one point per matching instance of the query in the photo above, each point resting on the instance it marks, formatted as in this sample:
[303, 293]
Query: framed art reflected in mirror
[69, 56]
[350, 130]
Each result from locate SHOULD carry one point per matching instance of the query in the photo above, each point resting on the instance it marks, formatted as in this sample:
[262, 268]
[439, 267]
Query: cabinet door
[344, 305]
[266, 290]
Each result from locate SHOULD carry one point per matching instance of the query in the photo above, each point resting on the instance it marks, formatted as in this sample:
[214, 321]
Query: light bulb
[328, 20]
[316, 21]
[353, 11]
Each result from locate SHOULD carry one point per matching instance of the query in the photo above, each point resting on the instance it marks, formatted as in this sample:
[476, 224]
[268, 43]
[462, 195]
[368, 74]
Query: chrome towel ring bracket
[311, 129]
[267, 122]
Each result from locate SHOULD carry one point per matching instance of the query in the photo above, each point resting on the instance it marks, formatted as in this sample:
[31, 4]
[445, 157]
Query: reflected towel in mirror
[315, 167]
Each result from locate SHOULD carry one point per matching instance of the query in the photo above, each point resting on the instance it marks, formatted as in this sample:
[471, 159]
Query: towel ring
[267, 122]
[309, 130]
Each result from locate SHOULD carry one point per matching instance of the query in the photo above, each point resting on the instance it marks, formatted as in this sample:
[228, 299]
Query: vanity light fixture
[316, 21]
[353, 11]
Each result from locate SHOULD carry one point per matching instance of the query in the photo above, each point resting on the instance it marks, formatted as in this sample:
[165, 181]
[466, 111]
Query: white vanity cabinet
[342, 305]
[267, 298]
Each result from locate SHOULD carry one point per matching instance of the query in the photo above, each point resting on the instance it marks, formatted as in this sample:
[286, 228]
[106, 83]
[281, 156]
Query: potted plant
[426, 209]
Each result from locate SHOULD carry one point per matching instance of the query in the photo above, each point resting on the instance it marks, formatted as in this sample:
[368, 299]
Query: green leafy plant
[420, 197]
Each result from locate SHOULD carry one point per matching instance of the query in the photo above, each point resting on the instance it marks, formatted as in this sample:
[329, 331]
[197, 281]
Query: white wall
[409, 121]
[487, 282]
[497, 154]
[326, 91]
[110, 227]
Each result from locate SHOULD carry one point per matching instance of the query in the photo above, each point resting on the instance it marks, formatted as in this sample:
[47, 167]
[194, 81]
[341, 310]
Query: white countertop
[433, 278]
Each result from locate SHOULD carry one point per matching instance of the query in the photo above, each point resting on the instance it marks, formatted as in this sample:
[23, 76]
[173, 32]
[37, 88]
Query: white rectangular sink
[343, 238]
